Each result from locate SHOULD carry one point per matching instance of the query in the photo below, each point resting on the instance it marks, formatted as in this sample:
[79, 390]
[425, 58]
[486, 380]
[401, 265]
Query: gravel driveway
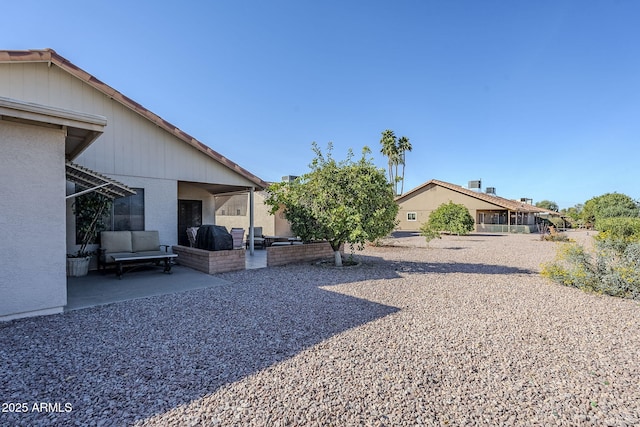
[464, 332]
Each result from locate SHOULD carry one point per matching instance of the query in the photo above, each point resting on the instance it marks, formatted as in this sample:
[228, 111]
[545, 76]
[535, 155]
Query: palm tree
[390, 150]
[403, 146]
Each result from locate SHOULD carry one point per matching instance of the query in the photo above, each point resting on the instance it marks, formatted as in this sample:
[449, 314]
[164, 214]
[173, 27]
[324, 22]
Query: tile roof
[51, 57]
[513, 205]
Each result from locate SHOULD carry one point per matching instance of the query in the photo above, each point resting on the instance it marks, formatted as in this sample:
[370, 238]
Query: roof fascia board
[92, 125]
[45, 114]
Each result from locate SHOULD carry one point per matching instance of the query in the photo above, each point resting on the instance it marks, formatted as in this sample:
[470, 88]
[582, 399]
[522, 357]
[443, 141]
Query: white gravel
[464, 332]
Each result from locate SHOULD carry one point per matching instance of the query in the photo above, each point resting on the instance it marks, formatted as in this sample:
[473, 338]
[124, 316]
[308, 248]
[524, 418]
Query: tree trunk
[395, 180]
[338, 258]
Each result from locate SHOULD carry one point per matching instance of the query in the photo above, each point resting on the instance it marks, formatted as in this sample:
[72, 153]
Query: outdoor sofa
[132, 247]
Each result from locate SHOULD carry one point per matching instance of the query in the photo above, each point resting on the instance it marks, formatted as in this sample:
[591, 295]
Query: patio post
[251, 221]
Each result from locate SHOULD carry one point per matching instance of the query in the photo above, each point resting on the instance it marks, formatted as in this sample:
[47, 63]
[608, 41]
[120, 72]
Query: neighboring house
[233, 211]
[175, 176]
[491, 213]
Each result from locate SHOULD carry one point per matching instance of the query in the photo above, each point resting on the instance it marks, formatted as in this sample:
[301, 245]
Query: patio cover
[93, 181]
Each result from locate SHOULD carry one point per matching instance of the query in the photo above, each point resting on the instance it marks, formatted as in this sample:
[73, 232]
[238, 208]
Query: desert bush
[556, 237]
[612, 269]
[558, 222]
[619, 228]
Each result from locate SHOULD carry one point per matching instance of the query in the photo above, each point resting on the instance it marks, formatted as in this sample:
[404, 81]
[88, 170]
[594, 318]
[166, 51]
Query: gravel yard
[464, 332]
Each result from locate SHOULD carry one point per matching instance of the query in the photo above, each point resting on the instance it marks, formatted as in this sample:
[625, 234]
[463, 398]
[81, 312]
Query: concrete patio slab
[98, 289]
[257, 260]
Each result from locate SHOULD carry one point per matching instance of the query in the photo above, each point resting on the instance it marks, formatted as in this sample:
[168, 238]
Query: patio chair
[238, 237]
[192, 232]
[258, 238]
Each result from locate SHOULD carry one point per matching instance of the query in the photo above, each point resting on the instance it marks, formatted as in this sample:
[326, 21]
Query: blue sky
[539, 99]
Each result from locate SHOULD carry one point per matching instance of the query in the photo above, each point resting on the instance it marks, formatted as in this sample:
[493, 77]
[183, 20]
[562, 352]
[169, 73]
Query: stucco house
[490, 212]
[54, 112]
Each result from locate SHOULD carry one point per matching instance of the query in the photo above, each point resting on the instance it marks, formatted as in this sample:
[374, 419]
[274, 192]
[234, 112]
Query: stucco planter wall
[210, 262]
[287, 254]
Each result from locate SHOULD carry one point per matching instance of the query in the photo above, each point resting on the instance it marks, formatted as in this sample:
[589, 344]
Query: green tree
[548, 204]
[573, 215]
[609, 205]
[395, 150]
[341, 202]
[90, 210]
[448, 217]
[573, 212]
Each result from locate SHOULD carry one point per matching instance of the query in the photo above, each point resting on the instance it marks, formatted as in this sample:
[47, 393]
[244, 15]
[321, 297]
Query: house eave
[81, 129]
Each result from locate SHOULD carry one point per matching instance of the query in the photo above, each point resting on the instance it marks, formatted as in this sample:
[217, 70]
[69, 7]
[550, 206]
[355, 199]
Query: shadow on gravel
[455, 267]
[401, 234]
[125, 362]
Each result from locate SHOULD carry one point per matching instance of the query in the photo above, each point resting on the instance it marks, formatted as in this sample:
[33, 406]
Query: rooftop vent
[475, 184]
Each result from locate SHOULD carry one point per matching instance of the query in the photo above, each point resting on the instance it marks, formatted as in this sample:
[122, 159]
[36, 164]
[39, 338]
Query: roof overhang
[93, 181]
[81, 128]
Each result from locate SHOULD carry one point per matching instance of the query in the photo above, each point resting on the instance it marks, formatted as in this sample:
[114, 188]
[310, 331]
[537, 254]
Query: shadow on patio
[98, 289]
[128, 361]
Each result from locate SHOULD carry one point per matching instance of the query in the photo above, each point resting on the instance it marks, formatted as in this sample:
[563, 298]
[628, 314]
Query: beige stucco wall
[32, 221]
[426, 200]
[131, 145]
[131, 150]
[272, 225]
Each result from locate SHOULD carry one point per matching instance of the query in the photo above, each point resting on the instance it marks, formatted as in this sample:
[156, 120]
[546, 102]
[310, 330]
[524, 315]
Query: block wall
[210, 262]
[287, 254]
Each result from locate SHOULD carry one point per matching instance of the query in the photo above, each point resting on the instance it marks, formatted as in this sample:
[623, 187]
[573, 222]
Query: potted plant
[89, 210]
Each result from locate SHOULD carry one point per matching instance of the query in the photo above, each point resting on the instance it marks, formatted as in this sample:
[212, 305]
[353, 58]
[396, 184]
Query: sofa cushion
[142, 241]
[115, 241]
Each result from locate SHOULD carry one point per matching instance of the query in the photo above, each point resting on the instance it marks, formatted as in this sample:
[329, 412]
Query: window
[127, 213]
[412, 216]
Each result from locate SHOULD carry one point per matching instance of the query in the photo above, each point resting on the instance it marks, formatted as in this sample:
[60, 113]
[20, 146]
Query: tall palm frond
[403, 146]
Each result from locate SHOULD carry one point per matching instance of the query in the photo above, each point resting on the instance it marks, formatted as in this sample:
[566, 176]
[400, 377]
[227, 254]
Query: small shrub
[449, 218]
[556, 237]
[429, 233]
[613, 269]
[553, 235]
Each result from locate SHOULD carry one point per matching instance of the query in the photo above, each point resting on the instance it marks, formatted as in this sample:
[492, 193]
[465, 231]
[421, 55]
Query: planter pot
[77, 267]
